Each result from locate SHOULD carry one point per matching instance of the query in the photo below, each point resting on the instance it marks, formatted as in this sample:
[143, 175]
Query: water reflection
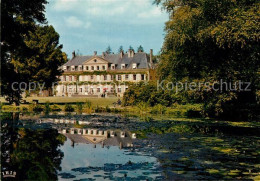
[114, 147]
[112, 163]
[31, 154]
[123, 139]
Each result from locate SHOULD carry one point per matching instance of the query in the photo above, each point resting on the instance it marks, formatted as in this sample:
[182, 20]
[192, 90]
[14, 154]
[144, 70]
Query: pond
[124, 147]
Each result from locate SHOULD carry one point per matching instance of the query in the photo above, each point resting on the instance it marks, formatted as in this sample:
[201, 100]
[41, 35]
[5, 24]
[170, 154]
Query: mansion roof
[141, 59]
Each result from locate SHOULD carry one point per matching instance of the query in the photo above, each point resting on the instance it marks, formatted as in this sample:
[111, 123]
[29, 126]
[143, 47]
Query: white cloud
[133, 11]
[156, 12]
[74, 22]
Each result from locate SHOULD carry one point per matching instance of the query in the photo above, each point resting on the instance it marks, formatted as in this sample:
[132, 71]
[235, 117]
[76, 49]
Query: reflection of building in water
[122, 139]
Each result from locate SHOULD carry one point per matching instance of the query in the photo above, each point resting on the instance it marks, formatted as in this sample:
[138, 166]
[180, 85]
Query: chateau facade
[104, 75]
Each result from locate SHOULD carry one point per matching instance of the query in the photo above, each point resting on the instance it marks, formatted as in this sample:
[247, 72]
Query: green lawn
[95, 101]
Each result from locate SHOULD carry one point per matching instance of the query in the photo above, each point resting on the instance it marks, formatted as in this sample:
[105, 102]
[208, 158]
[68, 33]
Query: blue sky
[92, 25]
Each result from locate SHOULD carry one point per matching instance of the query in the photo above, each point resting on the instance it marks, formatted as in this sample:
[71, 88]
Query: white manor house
[104, 75]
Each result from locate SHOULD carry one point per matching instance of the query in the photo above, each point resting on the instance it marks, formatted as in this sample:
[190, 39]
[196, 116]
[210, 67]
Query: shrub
[55, 108]
[37, 108]
[158, 109]
[79, 107]
[191, 113]
[142, 106]
[69, 108]
[47, 107]
[25, 109]
[108, 109]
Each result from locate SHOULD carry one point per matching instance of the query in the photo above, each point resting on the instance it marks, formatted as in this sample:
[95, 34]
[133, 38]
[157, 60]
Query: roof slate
[140, 58]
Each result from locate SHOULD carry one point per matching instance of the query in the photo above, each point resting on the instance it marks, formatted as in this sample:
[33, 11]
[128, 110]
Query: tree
[214, 40]
[44, 57]
[140, 49]
[120, 49]
[18, 19]
[108, 50]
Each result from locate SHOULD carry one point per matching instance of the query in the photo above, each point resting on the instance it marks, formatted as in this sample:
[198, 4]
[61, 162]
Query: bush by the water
[55, 108]
[35, 108]
[79, 106]
[69, 108]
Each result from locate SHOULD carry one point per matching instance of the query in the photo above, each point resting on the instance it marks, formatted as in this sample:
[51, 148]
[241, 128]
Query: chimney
[103, 54]
[129, 52]
[151, 57]
[121, 54]
[95, 53]
[132, 53]
[73, 54]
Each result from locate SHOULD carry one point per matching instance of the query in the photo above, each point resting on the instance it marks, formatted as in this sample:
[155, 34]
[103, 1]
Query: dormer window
[72, 68]
[134, 66]
[122, 66]
[64, 67]
[104, 67]
[113, 67]
[80, 68]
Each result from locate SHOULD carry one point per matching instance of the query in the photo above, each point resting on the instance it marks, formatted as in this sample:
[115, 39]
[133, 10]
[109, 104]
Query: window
[111, 77]
[86, 67]
[142, 77]
[70, 78]
[80, 90]
[80, 68]
[91, 77]
[97, 67]
[122, 66]
[134, 66]
[119, 77]
[112, 67]
[105, 77]
[64, 67]
[112, 89]
[98, 89]
[72, 68]
[104, 67]
[95, 60]
[134, 77]
[119, 89]
[64, 78]
[92, 67]
[126, 77]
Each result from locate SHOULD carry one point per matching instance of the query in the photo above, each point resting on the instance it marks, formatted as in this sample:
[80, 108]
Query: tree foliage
[108, 50]
[120, 49]
[213, 40]
[43, 59]
[147, 92]
[210, 40]
[140, 49]
[20, 21]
